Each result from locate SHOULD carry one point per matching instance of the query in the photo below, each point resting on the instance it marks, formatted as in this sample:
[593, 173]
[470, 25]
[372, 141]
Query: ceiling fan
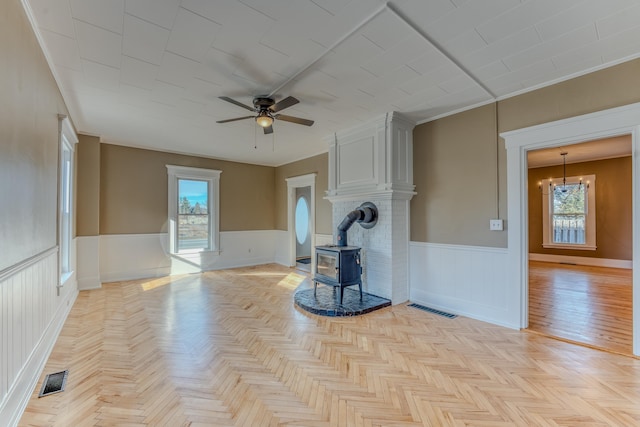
[265, 109]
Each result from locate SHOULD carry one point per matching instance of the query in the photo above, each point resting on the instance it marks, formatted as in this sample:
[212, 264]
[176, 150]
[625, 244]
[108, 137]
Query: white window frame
[67, 141]
[212, 177]
[589, 181]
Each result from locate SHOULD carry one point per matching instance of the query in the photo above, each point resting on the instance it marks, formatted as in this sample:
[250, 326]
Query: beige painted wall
[613, 207]
[88, 185]
[612, 87]
[29, 106]
[318, 164]
[455, 171]
[133, 191]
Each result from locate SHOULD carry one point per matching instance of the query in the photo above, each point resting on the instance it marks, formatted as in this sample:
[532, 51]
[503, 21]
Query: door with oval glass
[303, 228]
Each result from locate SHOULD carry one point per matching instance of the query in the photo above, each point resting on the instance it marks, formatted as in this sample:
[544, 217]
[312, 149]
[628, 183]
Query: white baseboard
[579, 260]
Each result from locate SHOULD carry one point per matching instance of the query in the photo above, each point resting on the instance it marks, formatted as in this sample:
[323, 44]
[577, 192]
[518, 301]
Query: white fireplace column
[374, 163]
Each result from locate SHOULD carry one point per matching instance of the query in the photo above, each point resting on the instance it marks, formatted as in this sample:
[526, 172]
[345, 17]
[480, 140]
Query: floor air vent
[434, 311]
[54, 383]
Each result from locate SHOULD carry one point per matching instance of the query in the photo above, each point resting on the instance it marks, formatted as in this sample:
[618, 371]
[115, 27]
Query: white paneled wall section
[135, 256]
[465, 280]
[31, 317]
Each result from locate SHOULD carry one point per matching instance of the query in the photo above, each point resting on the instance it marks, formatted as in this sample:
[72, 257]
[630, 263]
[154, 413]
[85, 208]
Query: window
[569, 213]
[65, 199]
[302, 220]
[193, 209]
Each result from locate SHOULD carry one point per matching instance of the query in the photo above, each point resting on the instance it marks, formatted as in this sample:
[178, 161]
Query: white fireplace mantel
[373, 163]
[373, 159]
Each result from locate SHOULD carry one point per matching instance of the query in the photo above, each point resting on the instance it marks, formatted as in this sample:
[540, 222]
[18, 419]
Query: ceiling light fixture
[564, 177]
[264, 119]
[564, 174]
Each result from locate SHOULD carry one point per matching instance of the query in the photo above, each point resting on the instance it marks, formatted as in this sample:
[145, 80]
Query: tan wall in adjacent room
[613, 207]
[317, 164]
[455, 171]
[133, 191]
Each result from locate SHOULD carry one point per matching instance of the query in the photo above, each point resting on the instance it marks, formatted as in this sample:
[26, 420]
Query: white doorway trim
[608, 123]
[308, 180]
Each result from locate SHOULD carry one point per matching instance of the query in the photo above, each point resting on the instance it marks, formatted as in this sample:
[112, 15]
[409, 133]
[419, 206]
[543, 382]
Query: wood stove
[338, 266]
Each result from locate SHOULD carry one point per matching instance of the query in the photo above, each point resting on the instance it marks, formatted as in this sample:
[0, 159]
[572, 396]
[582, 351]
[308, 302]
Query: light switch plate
[496, 225]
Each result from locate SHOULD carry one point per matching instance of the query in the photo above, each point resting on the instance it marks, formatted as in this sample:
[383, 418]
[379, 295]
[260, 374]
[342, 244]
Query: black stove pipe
[363, 215]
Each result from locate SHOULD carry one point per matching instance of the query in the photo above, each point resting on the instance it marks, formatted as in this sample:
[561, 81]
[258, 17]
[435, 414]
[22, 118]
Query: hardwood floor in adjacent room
[590, 305]
[228, 348]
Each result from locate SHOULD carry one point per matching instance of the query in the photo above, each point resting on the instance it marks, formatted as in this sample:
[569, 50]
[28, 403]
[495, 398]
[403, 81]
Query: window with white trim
[569, 213]
[68, 140]
[194, 208]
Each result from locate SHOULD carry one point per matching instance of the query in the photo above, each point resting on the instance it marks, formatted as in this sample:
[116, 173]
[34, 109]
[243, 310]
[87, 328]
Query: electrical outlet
[496, 225]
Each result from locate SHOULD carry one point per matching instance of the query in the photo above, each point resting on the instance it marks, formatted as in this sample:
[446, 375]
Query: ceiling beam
[329, 49]
[439, 48]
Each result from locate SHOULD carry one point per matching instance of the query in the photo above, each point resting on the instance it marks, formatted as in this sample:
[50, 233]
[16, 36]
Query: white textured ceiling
[608, 148]
[148, 73]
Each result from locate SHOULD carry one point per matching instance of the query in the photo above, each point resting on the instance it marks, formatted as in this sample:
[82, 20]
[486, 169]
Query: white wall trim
[581, 260]
[618, 121]
[466, 280]
[308, 180]
[212, 177]
[17, 268]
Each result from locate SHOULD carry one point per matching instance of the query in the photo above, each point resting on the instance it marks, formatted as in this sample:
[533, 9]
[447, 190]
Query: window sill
[569, 246]
[65, 277]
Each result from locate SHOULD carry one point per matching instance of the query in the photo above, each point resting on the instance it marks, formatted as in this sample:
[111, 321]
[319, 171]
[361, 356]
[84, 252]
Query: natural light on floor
[156, 283]
[290, 280]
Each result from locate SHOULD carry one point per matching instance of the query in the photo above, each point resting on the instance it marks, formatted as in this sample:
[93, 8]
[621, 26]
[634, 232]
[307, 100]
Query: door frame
[602, 124]
[308, 180]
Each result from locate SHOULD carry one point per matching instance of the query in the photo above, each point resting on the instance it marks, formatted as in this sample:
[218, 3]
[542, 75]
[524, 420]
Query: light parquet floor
[589, 305]
[228, 348]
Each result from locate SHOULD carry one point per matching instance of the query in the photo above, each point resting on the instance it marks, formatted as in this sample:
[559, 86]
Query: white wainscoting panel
[31, 317]
[88, 261]
[467, 280]
[135, 256]
[282, 248]
[243, 248]
[324, 239]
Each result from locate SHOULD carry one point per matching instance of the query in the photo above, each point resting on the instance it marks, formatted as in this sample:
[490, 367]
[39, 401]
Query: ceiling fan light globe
[264, 120]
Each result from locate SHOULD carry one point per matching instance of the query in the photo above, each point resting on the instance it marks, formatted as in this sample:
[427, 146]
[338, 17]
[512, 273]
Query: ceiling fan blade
[268, 130]
[283, 103]
[292, 119]
[239, 104]
[233, 120]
